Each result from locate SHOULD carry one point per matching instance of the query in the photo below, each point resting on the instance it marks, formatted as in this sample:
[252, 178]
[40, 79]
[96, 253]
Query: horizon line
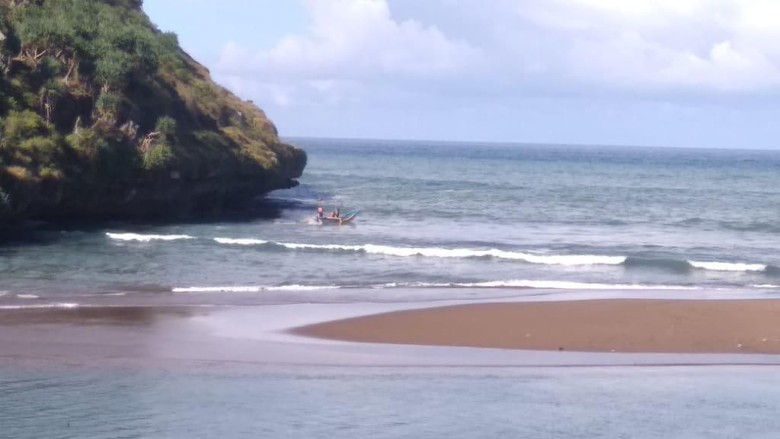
[521, 143]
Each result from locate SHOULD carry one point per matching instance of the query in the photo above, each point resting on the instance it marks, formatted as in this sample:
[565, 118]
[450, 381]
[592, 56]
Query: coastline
[612, 325]
[282, 337]
[160, 370]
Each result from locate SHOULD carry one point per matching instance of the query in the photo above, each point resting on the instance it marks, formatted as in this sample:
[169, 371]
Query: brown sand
[672, 326]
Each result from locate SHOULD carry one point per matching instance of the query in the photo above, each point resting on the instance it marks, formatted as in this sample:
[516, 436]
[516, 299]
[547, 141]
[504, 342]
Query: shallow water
[670, 402]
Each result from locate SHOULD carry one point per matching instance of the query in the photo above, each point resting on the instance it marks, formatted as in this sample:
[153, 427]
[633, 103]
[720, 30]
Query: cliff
[103, 116]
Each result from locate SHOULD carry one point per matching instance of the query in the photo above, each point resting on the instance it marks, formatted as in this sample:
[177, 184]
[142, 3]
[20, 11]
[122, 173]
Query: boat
[346, 218]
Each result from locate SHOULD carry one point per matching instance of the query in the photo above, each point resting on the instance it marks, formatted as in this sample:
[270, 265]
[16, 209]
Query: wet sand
[640, 332]
[636, 326]
[169, 371]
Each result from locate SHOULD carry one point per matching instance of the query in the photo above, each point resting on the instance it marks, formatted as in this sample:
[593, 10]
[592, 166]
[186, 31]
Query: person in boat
[335, 214]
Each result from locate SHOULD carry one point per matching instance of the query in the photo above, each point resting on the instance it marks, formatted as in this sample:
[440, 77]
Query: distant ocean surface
[476, 216]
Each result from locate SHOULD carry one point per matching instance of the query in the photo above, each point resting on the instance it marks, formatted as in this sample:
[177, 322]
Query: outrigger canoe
[347, 218]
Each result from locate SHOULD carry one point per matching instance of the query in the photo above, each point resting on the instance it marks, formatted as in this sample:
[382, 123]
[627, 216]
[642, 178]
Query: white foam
[146, 238]
[765, 286]
[47, 305]
[535, 284]
[251, 289]
[568, 285]
[227, 289]
[418, 285]
[247, 241]
[727, 266]
[302, 288]
[27, 296]
[437, 252]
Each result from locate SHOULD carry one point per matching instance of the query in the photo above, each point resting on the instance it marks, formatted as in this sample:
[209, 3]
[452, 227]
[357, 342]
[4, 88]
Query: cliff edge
[102, 116]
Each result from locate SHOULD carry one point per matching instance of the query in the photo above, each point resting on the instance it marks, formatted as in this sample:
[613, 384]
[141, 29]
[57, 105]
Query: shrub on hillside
[157, 157]
[87, 143]
[20, 125]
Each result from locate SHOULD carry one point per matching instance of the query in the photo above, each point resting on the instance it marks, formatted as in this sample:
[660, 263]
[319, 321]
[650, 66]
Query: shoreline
[279, 337]
[604, 326]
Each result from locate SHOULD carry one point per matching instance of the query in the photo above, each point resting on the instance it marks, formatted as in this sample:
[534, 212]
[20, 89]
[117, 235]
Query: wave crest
[146, 238]
[439, 252]
[247, 241]
[727, 266]
[678, 265]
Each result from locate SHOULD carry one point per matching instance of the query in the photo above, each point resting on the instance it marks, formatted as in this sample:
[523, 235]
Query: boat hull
[340, 221]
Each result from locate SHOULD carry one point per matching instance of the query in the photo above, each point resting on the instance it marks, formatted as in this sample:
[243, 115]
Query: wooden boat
[346, 218]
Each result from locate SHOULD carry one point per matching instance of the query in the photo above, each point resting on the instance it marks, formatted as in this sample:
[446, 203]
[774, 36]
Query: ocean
[438, 222]
[472, 216]
[726, 402]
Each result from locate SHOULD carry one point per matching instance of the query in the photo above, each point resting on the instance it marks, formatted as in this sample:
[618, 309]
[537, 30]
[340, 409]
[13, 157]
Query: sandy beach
[651, 326]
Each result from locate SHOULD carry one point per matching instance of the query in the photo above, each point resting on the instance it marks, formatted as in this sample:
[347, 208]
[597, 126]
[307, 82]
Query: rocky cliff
[104, 116]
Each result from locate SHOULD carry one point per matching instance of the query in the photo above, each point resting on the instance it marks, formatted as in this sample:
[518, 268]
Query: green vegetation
[95, 100]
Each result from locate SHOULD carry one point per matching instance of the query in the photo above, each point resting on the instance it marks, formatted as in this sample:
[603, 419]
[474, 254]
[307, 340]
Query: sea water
[458, 215]
[483, 220]
[634, 402]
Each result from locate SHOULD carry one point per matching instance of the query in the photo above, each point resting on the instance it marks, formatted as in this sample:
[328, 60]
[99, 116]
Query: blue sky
[695, 73]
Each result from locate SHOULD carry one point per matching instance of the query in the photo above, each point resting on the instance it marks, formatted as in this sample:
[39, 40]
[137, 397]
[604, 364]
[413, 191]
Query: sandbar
[630, 325]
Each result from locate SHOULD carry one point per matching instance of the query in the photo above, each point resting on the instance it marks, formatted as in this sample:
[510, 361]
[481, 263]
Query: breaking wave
[727, 266]
[439, 252]
[247, 241]
[146, 238]
[678, 265]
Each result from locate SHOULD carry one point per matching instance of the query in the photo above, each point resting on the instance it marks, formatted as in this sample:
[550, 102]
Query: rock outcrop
[103, 116]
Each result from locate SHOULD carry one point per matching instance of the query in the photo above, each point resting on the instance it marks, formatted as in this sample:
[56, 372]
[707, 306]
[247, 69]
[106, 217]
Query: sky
[687, 73]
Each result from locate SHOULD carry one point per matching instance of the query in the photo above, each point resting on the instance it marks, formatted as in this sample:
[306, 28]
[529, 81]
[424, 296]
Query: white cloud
[348, 42]
[360, 49]
[683, 45]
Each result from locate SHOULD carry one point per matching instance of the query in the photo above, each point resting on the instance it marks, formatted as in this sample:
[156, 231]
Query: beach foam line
[246, 241]
[727, 266]
[217, 289]
[41, 306]
[146, 238]
[27, 296]
[252, 288]
[765, 286]
[569, 285]
[537, 284]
